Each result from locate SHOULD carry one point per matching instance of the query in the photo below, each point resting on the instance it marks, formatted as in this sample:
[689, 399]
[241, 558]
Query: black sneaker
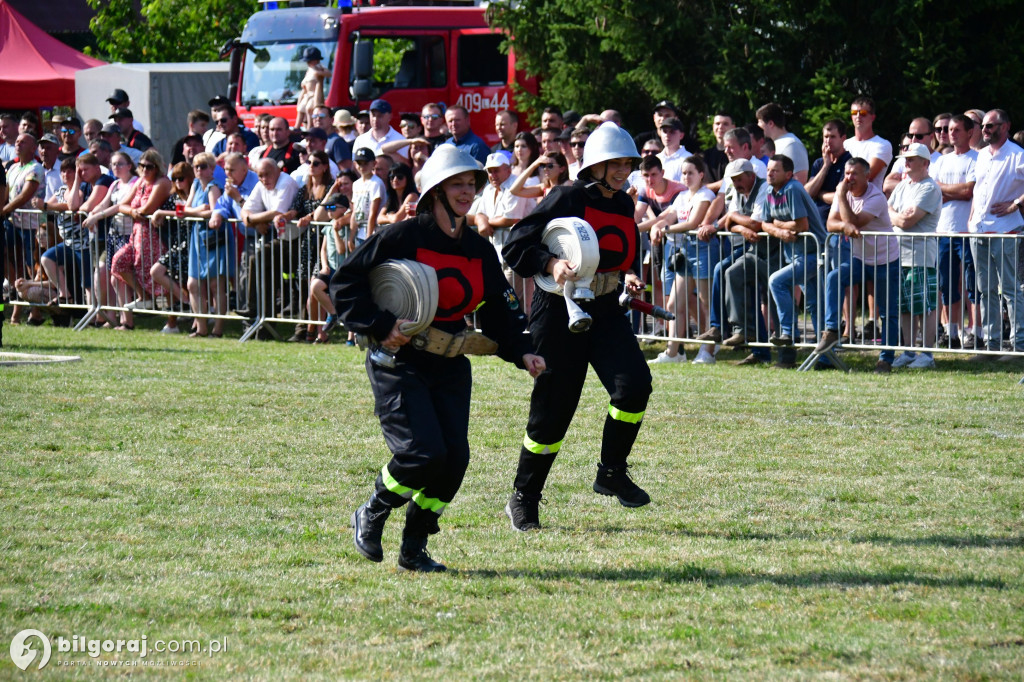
[522, 511]
[413, 557]
[615, 481]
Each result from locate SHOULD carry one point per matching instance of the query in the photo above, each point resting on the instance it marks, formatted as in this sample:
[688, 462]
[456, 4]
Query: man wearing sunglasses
[228, 123]
[70, 131]
[577, 139]
[432, 118]
[998, 196]
[918, 132]
[864, 144]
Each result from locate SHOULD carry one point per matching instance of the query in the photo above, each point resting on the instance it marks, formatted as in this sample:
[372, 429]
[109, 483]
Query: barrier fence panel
[911, 294]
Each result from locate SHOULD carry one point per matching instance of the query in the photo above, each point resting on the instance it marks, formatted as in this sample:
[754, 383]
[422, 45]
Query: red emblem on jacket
[460, 283]
[616, 235]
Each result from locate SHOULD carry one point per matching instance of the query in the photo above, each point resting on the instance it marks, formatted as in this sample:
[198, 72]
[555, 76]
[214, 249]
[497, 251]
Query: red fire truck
[408, 55]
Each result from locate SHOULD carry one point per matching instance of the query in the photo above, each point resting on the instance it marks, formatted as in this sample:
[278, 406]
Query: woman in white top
[690, 260]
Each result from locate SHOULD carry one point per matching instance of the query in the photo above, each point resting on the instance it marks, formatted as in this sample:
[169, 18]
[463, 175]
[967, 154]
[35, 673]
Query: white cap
[917, 149]
[497, 160]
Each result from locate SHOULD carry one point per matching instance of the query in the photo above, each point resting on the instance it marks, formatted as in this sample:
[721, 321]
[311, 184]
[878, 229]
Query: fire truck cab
[408, 55]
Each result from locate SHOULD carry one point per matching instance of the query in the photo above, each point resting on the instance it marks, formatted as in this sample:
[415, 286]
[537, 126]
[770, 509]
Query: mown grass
[804, 526]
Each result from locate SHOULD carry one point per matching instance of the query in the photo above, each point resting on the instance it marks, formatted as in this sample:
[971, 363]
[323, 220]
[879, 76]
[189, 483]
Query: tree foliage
[811, 56]
[167, 30]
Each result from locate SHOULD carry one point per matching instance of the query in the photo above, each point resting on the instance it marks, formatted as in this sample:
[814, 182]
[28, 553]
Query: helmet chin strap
[600, 183]
[448, 209]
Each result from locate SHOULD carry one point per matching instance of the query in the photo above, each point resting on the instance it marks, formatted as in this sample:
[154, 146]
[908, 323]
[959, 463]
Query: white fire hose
[573, 240]
[408, 290]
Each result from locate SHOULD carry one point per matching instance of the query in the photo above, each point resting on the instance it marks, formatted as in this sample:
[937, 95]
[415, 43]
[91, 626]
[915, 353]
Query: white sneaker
[140, 304]
[170, 330]
[922, 361]
[704, 357]
[904, 359]
[664, 357]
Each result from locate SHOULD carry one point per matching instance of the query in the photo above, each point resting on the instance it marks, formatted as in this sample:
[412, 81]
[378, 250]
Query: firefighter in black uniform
[609, 345]
[423, 402]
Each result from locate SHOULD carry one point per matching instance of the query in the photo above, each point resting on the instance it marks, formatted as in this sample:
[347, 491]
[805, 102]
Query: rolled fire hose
[573, 240]
[408, 290]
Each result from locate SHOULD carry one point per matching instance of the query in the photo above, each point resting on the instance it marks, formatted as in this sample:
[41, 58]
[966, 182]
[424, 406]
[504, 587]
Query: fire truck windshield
[274, 71]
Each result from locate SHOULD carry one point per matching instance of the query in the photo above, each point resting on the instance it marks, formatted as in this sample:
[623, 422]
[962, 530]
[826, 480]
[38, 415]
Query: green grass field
[804, 526]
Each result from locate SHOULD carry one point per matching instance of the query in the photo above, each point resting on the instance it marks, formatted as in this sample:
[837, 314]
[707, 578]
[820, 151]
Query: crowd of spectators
[251, 223]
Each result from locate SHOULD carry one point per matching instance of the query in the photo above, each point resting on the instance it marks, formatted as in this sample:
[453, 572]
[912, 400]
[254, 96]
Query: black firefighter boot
[368, 522]
[413, 556]
[615, 481]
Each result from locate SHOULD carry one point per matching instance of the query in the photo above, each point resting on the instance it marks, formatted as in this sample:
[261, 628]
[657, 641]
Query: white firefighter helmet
[608, 142]
[446, 161]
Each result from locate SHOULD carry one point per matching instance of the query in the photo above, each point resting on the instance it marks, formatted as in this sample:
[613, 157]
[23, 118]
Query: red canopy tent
[36, 70]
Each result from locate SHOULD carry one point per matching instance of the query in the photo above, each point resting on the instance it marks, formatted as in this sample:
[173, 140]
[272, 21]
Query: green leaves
[167, 30]
[810, 56]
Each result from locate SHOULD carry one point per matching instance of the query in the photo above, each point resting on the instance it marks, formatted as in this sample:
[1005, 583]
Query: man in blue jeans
[859, 207]
[788, 213]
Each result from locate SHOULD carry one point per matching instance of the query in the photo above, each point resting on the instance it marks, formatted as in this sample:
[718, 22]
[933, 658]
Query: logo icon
[23, 654]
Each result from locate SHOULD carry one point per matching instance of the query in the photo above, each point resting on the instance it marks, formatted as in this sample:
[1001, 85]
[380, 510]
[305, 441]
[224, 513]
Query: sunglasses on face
[201, 166]
[860, 112]
[645, 152]
[942, 129]
[221, 121]
[990, 126]
[918, 136]
[177, 178]
[319, 115]
[577, 144]
[431, 116]
[316, 164]
[68, 131]
[547, 166]
[146, 166]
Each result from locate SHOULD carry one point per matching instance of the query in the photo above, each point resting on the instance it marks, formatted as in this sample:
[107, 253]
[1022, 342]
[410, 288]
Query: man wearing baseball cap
[124, 119]
[119, 99]
[111, 132]
[380, 132]
[914, 208]
[496, 209]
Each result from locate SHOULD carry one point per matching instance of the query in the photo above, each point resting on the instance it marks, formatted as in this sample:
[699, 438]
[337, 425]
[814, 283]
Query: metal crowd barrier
[254, 279]
[955, 290]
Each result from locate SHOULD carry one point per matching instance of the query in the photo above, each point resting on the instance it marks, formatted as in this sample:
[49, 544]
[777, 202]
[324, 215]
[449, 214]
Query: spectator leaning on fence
[133, 261]
[860, 207]
[239, 182]
[792, 217]
[171, 270]
[998, 196]
[24, 182]
[914, 208]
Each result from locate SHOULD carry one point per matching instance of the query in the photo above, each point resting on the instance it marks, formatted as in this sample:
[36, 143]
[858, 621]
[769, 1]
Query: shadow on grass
[924, 541]
[690, 573]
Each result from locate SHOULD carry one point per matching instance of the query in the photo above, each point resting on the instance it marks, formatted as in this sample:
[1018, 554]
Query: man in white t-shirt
[270, 199]
[772, 120]
[381, 132]
[955, 174]
[864, 144]
[914, 208]
[496, 210]
[859, 206]
[998, 197]
[673, 153]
